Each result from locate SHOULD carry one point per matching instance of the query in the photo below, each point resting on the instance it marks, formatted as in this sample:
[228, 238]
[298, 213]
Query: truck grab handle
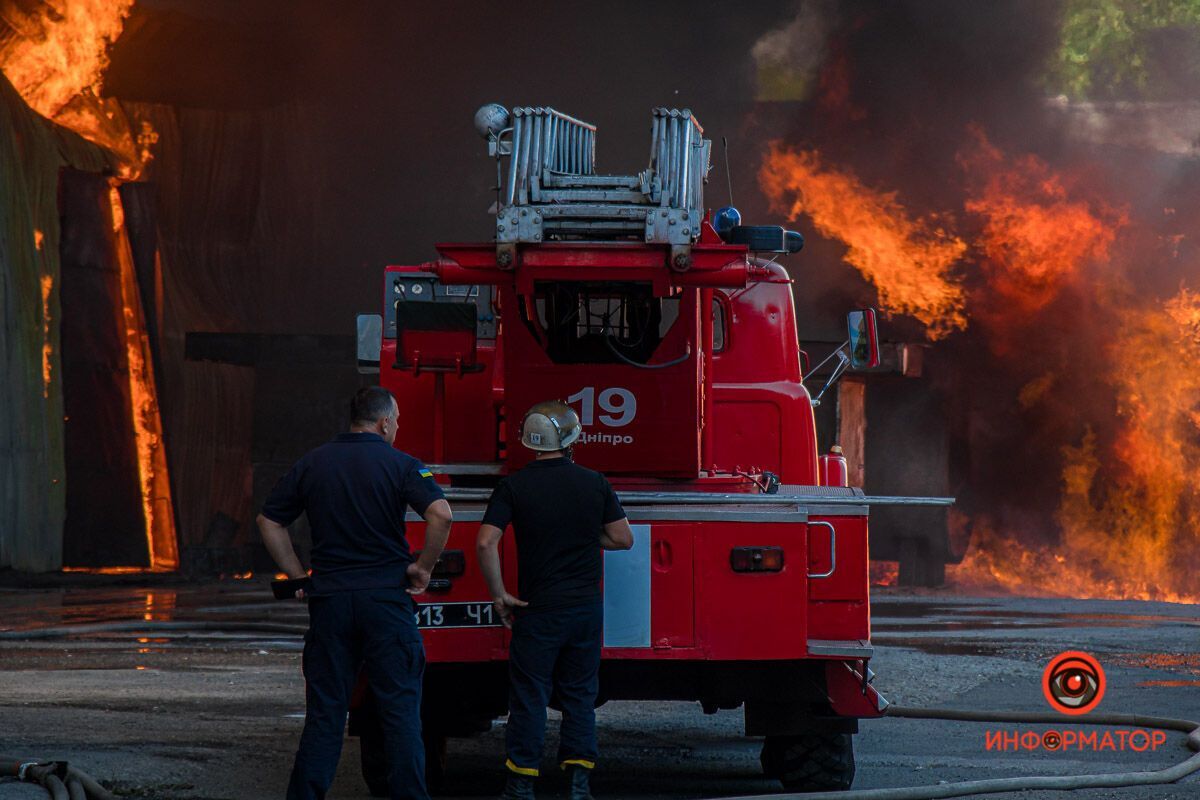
[832, 549]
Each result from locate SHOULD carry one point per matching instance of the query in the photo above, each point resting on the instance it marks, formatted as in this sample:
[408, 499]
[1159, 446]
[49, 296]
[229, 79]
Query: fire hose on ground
[139, 626]
[67, 783]
[60, 779]
[1107, 780]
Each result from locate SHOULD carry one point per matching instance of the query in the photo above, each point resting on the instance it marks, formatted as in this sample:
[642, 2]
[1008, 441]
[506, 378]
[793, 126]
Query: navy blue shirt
[355, 490]
[558, 511]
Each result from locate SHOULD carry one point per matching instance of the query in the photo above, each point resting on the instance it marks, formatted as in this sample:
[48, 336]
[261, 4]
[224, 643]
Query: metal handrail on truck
[712, 498]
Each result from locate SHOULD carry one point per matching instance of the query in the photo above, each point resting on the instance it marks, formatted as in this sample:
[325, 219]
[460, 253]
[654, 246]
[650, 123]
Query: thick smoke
[1071, 192]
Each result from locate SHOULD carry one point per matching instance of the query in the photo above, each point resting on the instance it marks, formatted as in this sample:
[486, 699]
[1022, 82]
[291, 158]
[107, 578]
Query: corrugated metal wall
[32, 479]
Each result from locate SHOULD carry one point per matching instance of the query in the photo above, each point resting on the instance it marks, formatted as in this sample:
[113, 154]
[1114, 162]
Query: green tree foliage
[1127, 49]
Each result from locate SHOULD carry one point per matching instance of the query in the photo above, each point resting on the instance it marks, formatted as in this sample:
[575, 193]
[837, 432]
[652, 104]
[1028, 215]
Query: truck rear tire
[810, 762]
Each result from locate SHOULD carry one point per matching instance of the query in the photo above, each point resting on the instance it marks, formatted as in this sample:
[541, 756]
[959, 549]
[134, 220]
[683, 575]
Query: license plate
[456, 615]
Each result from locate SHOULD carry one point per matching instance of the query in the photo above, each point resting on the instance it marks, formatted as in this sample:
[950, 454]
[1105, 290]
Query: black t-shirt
[355, 490]
[558, 510]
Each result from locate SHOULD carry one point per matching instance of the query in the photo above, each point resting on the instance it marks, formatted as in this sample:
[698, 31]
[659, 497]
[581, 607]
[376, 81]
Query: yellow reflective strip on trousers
[530, 771]
[578, 762]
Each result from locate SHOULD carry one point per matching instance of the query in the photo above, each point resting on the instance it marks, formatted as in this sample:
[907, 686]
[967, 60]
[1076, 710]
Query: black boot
[579, 783]
[519, 787]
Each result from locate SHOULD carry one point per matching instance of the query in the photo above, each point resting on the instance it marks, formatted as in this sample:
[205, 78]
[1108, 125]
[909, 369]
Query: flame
[1129, 512]
[105, 570]
[146, 139]
[56, 57]
[116, 208]
[147, 423]
[884, 573]
[1035, 237]
[910, 259]
[47, 348]
[1125, 512]
[64, 51]
[1142, 525]
[1129, 503]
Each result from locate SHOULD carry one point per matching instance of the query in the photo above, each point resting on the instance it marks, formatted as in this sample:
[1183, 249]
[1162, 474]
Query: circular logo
[1073, 682]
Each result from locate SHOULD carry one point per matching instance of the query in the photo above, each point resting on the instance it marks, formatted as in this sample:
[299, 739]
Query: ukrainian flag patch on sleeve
[424, 473]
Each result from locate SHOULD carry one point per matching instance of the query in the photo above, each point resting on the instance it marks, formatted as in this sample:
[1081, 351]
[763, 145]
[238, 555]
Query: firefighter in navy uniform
[563, 516]
[356, 491]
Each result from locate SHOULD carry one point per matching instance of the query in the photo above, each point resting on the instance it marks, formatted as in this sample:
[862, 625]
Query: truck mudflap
[850, 693]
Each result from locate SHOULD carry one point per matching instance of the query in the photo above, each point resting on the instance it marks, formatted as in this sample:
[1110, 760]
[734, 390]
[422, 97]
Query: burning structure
[142, 224]
[70, 158]
[1011, 184]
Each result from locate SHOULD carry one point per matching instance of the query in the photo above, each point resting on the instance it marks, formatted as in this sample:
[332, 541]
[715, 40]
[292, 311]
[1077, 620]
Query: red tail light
[756, 559]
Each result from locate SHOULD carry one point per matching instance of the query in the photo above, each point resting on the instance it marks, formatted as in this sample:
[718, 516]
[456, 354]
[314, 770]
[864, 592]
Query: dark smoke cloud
[900, 89]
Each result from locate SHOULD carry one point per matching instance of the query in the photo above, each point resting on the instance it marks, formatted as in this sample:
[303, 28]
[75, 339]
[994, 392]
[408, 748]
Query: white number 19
[620, 405]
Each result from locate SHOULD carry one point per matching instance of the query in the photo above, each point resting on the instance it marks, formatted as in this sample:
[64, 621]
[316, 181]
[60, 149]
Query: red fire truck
[672, 332]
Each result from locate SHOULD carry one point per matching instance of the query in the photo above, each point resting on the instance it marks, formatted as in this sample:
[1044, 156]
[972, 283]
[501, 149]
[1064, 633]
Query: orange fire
[56, 59]
[47, 348]
[884, 573]
[1035, 236]
[911, 260]
[147, 423]
[1128, 513]
[47, 282]
[1130, 496]
[1126, 510]
[105, 570]
[64, 50]
[1140, 527]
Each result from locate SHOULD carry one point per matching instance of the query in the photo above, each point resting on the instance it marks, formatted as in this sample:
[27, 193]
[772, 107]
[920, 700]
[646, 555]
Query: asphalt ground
[216, 713]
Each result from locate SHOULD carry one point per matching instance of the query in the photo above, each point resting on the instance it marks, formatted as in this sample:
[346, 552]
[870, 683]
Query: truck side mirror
[370, 342]
[864, 339]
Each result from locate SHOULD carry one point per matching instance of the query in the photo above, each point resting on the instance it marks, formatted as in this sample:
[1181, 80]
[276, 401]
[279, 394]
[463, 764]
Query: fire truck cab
[747, 585]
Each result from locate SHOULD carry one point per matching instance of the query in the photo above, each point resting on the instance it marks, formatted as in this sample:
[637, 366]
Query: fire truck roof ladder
[553, 193]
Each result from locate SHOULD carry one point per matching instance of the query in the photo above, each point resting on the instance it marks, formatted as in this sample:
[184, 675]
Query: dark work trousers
[345, 630]
[554, 652]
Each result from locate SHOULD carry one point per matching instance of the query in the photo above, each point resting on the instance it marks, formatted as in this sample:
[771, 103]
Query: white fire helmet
[550, 426]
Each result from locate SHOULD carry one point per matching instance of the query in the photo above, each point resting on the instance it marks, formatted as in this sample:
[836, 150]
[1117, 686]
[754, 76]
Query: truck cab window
[582, 323]
[718, 312]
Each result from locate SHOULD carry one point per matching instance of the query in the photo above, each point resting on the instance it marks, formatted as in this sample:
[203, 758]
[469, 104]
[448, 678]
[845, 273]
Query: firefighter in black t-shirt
[563, 516]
